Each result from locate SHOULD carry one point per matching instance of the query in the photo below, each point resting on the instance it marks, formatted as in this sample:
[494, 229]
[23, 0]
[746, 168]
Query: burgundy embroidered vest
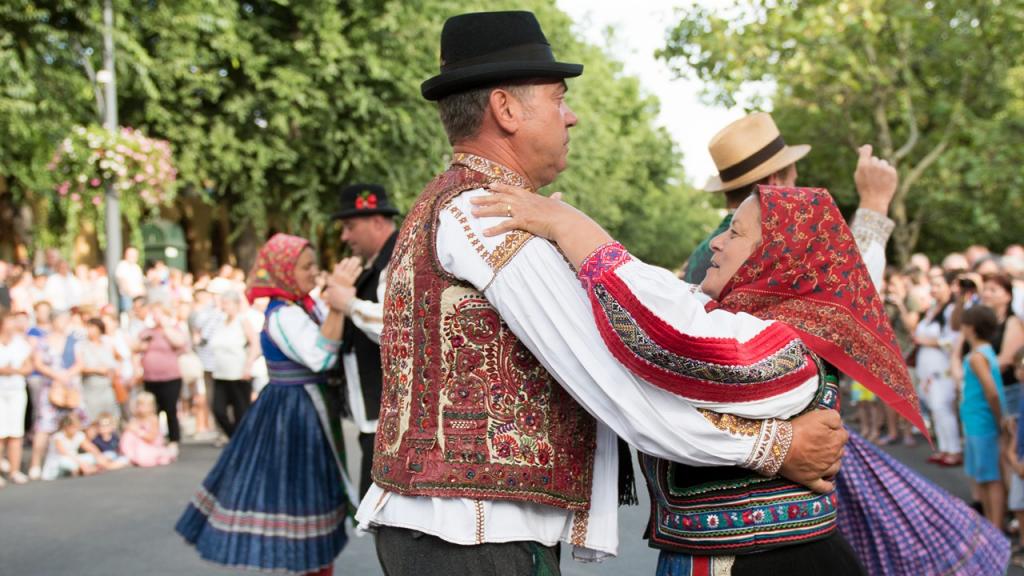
[466, 410]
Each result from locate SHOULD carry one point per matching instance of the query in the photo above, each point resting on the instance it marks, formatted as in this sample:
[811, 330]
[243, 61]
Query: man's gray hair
[462, 113]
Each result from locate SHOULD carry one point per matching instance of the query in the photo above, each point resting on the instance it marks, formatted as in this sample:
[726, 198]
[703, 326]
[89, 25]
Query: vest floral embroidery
[466, 410]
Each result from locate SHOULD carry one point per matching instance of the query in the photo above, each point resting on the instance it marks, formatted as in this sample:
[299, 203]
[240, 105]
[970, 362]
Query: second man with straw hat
[751, 152]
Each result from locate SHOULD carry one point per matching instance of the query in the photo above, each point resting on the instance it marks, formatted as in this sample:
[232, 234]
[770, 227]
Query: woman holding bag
[58, 392]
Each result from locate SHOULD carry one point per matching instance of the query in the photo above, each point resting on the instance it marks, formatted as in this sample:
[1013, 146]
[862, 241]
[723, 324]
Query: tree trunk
[8, 216]
[902, 236]
[246, 246]
[197, 219]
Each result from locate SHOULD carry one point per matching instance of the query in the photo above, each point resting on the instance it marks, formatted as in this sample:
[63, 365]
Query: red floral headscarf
[273, 274]
[808, 273]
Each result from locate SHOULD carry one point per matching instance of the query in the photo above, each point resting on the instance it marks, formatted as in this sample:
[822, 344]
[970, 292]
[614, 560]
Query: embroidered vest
[719, 511]
[466, 410]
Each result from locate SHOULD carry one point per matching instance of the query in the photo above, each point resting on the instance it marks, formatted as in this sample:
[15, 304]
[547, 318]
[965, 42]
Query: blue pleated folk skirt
[897, 523]
[276, 500]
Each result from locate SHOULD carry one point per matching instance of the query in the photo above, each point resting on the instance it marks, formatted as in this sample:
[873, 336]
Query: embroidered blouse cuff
[869, 226]
[327, 345]
[771, 447]
[607, 257]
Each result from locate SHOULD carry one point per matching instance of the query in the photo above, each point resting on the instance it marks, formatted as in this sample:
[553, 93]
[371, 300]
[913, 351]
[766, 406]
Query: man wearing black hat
[368, 228]
[488, 453]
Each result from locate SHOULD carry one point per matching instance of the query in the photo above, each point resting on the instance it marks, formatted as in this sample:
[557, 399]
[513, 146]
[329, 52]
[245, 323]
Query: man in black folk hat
[501, 404]
[368, 229]
[751, 152]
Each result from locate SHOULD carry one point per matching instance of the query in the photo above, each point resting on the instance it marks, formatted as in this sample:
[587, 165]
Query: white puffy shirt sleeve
[539, 296]
[871, 231]
[299, 337]
[368, 316]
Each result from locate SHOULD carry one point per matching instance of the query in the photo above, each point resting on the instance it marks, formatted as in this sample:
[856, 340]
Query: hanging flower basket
[139, 169]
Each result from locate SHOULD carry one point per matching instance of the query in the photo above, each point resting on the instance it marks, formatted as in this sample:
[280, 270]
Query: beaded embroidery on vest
[466, 410]
[718, 511]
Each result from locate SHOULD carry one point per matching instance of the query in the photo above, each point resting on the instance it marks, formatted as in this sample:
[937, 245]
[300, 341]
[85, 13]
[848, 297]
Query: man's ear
[506, 110]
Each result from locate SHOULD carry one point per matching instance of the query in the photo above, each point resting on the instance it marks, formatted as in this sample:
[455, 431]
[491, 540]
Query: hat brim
[383, 211]
[461, 79]
[785, 157]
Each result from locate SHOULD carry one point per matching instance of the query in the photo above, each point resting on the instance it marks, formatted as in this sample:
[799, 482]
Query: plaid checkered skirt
[899, 523]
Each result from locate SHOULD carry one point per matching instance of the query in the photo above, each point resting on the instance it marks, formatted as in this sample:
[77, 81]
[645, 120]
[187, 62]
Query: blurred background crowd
[86, 389]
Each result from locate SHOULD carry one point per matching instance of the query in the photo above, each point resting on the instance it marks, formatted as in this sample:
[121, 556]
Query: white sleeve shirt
[367, 317]
[299, 338]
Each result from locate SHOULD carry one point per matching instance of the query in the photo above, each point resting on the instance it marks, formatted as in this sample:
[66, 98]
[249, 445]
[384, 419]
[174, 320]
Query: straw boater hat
[748, 150]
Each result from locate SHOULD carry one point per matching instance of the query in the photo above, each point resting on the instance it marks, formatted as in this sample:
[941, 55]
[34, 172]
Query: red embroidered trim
[605, 259]
[721, 351]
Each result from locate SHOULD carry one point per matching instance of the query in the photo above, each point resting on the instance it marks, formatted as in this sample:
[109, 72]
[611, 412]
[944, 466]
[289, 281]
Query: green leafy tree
[270, 107]
[913, 78]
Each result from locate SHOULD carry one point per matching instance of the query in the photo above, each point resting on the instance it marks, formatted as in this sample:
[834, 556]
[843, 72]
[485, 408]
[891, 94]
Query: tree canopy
[935, 86]
[271, 106]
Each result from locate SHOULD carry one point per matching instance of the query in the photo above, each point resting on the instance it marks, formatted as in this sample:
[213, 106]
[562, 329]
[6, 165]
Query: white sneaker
[5, 466]
[34, 473]
[19, 478]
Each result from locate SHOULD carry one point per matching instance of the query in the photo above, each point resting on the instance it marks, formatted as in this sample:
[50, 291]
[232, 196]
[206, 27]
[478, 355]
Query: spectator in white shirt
[63, 290]
[15, 365]
[130, 281]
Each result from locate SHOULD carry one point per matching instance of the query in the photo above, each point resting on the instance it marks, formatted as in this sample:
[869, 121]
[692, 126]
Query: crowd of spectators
[959, 324]
[87, 387]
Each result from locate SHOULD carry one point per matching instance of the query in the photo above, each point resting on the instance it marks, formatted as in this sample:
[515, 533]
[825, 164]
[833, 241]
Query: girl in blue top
[981, 411]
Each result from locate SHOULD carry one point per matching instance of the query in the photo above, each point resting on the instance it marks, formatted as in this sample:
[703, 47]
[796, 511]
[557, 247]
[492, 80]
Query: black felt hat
[364, 200]
[488, 47]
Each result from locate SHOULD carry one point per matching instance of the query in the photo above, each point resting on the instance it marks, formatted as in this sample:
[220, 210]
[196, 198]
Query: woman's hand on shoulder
[524, 210]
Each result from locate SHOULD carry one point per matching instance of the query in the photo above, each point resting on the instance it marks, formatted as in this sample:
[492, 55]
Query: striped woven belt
[291, 373]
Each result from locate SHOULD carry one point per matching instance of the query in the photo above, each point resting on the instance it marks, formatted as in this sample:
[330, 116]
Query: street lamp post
[112, 203]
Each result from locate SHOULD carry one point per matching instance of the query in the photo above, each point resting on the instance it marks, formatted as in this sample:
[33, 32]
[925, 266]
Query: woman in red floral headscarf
[790, 258]
[278, 496]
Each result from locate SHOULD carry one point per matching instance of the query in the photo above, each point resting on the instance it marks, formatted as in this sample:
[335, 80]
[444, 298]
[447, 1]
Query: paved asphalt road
[122, 524]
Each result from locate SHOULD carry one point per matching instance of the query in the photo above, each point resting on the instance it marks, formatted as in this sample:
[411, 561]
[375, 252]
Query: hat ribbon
[753, 161]
[522, 52]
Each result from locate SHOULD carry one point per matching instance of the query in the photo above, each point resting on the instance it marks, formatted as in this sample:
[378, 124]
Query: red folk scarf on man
[808, 273]
[273, 274]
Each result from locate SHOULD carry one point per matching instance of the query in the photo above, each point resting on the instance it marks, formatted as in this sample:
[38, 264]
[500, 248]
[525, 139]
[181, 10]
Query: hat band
[753, 161]
[523, 52]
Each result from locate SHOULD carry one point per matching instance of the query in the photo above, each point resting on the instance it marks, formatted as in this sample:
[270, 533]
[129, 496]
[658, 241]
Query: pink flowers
[139, 168]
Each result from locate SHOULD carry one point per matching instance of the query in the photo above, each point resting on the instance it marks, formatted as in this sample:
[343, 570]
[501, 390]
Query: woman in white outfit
[235, 348]
[15, 365]
[935, 338]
